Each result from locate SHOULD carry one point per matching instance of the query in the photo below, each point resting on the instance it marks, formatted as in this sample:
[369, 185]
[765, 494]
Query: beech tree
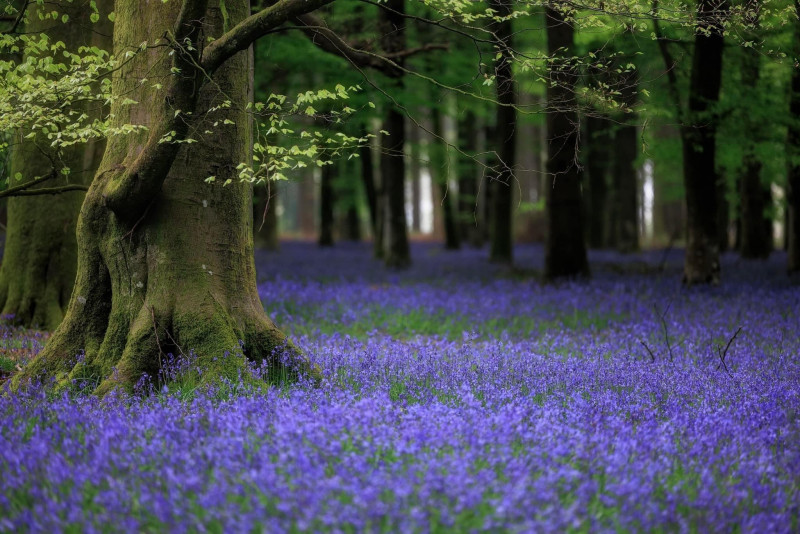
[149, 281]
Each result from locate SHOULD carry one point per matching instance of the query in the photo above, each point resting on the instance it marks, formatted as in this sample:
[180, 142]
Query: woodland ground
[458, 396]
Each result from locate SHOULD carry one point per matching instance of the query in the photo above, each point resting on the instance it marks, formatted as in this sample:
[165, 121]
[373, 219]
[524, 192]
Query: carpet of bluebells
[458, 396]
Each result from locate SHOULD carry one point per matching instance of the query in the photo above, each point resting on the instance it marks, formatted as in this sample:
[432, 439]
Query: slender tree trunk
[756, 239]
[171, 270]
[326, 202]
[396, 251]
[501, 241]
[723, 214]
[266, 217]
[599, 143]
[306, 203]
[40, 255]
[368, 179]
[699, 138]
[626, 189]
[565, 249]
[415, 171]
[793, 144]
[440, 172]
[468, 176]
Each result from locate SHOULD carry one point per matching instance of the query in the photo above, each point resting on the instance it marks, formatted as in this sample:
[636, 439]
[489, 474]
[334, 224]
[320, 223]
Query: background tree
[39, 259]
[565, 249]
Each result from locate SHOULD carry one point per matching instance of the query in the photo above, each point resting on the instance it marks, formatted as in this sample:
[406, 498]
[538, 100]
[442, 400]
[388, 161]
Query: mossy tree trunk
[165, 260]
[501, 236]
[40, 255]
[699, 137]
[565, 248]
[793, 142]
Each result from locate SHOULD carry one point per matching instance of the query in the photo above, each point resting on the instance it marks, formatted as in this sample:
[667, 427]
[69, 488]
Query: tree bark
[793, 144]
[698, 137]
[396, 250]
[177, 275]
[565, 249]
[39, 259]
[501, 240]
[598, 134]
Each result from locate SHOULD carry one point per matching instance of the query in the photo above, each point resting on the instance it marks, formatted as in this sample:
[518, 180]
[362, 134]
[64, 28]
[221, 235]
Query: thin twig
[663, 316]
[722, 353]
[650, 352]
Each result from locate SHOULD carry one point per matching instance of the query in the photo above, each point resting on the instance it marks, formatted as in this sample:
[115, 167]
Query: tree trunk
[368, 179]
[565, 249]
[793, 150]
[756, 240]
[177, 275]
[415, 171]
[598, 134]
[396, 251]
[39, 259]
[266, 214]
[468, 177]
[326, 201]
[698, 137]
[723, 214]
[501, 240]
[440, 173]
[626, 188]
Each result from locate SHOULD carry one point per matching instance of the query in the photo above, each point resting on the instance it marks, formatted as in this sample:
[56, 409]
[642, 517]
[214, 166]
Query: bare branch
[46, 191]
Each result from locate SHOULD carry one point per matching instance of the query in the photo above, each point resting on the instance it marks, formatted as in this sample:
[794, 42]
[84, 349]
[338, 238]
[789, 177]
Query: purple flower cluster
[622, 413]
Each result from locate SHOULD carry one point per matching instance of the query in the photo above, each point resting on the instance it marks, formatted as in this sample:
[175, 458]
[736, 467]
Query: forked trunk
[180, 276]
[39, 259]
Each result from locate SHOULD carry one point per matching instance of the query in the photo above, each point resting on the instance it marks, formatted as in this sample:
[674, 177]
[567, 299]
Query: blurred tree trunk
[756, 239]
[40, 253]
[598, 149]
[793, 143]
[626, 183]
[468, 178]
[396, 250]
[265, 205]
[415, 170]
[326, 205]
[698, 137]
[306, 209]
[565, 249]
[723, 214]
[504, 141]
[440, 172]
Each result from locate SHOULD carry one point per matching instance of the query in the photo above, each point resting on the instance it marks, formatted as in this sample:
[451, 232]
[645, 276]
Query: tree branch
[17, 20]
[16, 190]
[45, 191]
[241, 36]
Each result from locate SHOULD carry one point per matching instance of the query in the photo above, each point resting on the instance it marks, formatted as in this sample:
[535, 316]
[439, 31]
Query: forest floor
[458, 396]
